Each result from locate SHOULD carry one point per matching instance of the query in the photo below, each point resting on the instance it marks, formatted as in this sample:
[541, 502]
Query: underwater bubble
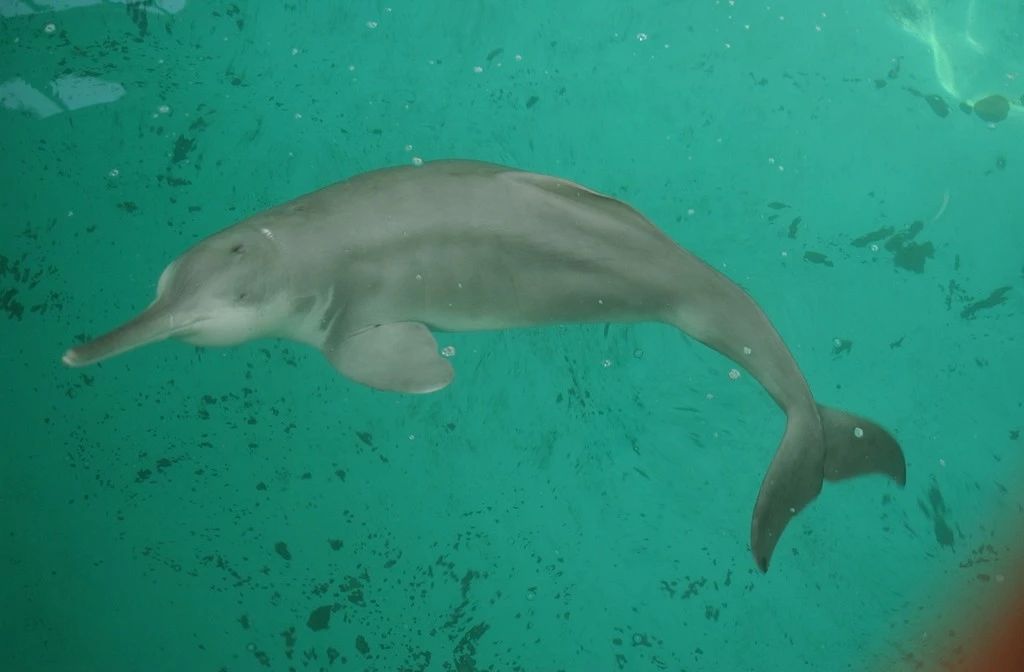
[50, 27]
[858, 432]
[448, 351]
[747, 350]
[606, 363]
[734, 374]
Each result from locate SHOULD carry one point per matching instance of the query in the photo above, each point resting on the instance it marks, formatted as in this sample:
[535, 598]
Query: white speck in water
[530, 595]
[448, 351]
[942, 462]
[267, 232]
[459, 284]
[250, 647]
[50, 27]
[351, 68]
[858, 432]
[638, 354]
[785, 253]
[836, 342]
[638, 638]
[295, 51]
[408, 148]
[606, 363]
[163, 109]
[114, 172]
[371, 24]
[71, 213]
[690, 212]
[709, 396]
[412, 437]
[298, 115]
[642, 37]
[519, 57]
[417, 161]
[792, 510]
[747, 350]
[874, 247]
[477, 69]
[734, 374]
[419, 276]
[600, 302]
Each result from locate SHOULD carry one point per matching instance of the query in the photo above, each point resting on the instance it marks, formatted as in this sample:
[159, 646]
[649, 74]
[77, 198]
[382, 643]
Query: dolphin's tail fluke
[829, 444]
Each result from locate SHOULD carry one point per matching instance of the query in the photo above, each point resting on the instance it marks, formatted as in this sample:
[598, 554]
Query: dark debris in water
[817, 258]
[873, 237]
[320, 618]
[907, 253]
[936, 102]
[995, 298]
[841, 346]
[935, 509]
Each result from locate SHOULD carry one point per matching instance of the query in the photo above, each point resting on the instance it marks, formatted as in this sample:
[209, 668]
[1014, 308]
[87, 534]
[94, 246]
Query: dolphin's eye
[238, 248]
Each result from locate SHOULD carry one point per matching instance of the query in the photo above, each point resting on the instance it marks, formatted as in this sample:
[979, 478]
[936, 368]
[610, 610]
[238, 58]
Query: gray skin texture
[365, 269]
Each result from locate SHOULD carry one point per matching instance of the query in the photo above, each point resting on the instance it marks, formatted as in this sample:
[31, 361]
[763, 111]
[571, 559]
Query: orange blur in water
[992, 641]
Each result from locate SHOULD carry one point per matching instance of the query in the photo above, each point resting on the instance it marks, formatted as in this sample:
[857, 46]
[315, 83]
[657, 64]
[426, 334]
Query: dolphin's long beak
[155, 323]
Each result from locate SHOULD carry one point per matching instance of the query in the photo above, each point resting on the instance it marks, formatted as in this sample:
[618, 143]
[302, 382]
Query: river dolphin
[367, 268]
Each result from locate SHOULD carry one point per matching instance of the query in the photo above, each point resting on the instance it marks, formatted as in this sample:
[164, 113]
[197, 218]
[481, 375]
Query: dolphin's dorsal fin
[398, 357]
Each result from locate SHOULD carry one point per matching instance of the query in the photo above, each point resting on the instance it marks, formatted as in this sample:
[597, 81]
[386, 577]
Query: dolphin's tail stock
[830, 444]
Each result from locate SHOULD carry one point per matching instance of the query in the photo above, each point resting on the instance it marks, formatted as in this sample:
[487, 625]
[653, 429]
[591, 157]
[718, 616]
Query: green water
[579, 499]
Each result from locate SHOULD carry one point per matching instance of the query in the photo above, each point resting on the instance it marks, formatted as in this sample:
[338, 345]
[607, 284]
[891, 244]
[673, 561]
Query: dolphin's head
[225, 290]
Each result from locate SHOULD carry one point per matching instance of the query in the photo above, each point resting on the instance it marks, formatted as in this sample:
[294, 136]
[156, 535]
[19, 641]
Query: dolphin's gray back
[462, 245]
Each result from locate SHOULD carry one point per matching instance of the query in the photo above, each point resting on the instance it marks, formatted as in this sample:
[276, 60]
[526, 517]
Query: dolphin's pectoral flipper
[830, 444]
[398, 357]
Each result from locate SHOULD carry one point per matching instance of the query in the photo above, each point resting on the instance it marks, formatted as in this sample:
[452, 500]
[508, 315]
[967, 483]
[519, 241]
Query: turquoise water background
[580, 497]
